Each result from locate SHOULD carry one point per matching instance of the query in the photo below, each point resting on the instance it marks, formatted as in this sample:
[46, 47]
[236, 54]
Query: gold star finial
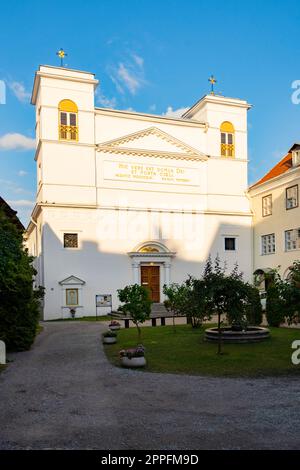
[212, 80]
[61, 54]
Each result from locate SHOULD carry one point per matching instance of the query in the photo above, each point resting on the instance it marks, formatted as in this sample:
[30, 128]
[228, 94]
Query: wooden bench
[153, 318]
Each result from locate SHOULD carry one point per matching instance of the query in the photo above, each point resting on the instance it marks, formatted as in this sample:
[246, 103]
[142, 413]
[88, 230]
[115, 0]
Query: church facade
[125, 197]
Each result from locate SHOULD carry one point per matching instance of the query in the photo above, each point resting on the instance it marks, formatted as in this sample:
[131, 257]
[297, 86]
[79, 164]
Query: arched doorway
[151, 267]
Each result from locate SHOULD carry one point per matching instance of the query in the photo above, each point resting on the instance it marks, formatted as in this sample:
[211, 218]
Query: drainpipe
[36, 245]
[252, 233]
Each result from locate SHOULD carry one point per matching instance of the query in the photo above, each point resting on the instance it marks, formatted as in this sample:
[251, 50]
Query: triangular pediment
[152, 141]
[71, 281]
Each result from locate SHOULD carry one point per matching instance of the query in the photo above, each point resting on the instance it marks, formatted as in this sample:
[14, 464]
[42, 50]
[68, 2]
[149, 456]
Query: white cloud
[105, 101]
[13, 187]
[131, 81]
[152, 107]
[19, 91]
[15, 141]
[22, 173]
[128, 75]
[175, 112]
[138, 60]
[20, 203]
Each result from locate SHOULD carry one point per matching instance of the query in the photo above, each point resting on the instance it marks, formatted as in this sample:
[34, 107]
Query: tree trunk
[219, 334]
[139, 332]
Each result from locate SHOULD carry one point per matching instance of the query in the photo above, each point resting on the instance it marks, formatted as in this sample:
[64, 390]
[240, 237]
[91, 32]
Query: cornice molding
[152, 153]
[187, 152]
[151, 117]
[40, 205]
[138, 254]
[276, 182]
[44, 74]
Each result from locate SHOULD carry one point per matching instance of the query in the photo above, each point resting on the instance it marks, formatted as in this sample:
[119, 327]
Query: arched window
[227, 139]
[68, 120]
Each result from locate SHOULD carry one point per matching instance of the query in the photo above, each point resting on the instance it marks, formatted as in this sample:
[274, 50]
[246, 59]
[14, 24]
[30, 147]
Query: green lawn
[185, 352]
[99, 318]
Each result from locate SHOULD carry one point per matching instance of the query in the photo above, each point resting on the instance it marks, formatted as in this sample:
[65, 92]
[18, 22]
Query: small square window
[230, 244]
[70, 240]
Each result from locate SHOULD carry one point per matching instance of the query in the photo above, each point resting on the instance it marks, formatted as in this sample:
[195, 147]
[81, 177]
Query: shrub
[253, 307]
[274, 306]
[19, 302]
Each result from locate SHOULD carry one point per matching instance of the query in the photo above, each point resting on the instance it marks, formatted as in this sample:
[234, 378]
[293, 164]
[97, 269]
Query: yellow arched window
[227, 139]
[68, 120]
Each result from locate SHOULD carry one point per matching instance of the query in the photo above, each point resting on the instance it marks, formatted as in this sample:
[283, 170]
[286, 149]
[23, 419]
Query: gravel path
[63, 394]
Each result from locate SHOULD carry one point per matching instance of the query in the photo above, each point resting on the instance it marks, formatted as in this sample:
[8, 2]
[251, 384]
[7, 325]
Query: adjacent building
[125, 197]
[11, 214]
[276, 215]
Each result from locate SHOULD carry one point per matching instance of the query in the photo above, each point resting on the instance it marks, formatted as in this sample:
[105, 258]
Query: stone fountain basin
[253, 334]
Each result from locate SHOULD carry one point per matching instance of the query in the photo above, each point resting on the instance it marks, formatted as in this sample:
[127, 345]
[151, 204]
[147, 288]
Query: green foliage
[19, 302]
[176, 301]
[283, 297]
[215, 293]
[136, 304]
[198, 301]
[253, 311]
[274, 306]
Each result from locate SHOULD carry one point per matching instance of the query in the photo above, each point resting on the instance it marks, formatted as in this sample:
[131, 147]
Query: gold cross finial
[212, 81]
[61, 54]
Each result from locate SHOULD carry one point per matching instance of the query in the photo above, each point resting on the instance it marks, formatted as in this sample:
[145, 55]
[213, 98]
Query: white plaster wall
[105, 239]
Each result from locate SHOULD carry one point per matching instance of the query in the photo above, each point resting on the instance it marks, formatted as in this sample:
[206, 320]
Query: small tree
[176, 301]
[227, 295]
[275, 304]
[254, 313]
[290, 294]
[136, 304]
[198, 301]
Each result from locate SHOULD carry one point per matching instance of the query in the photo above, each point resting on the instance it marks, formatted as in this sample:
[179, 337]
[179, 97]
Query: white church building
[125, 197]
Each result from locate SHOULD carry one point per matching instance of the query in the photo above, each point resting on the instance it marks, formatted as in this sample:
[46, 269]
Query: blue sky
[151, 56]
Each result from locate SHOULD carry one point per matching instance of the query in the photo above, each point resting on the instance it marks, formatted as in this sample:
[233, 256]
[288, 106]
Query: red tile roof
[284, 165]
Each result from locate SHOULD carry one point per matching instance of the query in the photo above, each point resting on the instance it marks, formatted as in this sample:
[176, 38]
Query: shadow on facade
[103, 271]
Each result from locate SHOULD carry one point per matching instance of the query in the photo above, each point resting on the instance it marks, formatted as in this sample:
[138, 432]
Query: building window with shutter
[267, 205]
[68, 120]
[292, 197]
[292, 239]
[70, 240]
[268, 244]
[227, 139]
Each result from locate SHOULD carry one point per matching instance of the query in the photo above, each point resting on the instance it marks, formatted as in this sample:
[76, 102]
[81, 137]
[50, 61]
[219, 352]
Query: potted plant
[134, 357]
[109, 337]
[73, 312]
[114, 325]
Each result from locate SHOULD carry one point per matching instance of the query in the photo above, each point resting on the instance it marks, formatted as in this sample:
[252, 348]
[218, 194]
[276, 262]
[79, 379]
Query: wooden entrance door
[150, 280]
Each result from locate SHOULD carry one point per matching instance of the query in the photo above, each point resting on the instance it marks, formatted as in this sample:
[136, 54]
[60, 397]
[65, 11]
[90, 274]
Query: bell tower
[65, 135]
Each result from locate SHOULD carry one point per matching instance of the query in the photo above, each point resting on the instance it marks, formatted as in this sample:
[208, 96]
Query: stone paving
[64, 394]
